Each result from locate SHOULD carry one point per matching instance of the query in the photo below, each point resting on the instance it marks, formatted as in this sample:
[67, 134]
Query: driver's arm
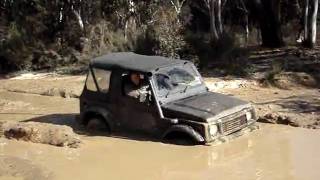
[131, 91]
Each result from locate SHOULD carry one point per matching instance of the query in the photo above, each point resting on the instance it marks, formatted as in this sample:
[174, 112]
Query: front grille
[233, 125]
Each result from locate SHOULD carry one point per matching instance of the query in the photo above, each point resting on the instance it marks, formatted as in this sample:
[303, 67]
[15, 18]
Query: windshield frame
[191, 91]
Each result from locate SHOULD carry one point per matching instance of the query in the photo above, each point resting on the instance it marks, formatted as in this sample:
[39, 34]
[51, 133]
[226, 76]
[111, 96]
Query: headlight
[213, 129]
[249, 116]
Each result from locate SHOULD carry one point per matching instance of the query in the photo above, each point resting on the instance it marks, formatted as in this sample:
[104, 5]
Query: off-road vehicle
[175, 102]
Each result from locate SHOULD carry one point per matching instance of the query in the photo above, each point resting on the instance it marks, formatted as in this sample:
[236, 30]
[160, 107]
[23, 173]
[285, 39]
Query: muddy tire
[97, 126]
[180, 139]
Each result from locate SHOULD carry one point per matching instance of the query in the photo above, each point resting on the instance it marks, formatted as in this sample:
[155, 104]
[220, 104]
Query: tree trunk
[306, 12]
[247, 29]
[218, 16]
[276, 21]
[79, 18]
[270, 24]
[213, 28]
[311, 11]
[178, 4]
[245, 21]
[216, 25]
[130, 21]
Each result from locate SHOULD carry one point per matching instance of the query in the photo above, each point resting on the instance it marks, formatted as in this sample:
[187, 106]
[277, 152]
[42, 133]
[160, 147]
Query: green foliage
[49, 34]
[11, 46]
[277, 68]
[146, 42]
[223, 54]
[102, 39]
[164, 37]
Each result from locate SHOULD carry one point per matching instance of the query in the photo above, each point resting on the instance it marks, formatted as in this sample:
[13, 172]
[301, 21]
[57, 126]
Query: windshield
[177, 79]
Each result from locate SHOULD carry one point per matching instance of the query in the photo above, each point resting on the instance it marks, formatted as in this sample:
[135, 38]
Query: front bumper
[225, 138]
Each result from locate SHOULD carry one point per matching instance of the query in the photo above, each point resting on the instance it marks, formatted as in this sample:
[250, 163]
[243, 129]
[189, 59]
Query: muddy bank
[298, 107]
[45, 133]
[46, 84]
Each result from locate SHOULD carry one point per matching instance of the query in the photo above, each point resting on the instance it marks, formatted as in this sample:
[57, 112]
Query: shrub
[102, 38]
[277, 67]
[163, 37]
[223, 54]
[13, 49]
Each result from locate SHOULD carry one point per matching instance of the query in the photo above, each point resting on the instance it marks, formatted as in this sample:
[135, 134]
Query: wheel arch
[97, 112]
[186, 130]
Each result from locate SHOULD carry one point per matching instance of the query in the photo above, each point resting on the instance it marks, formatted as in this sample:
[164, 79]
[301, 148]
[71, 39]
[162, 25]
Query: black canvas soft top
[132, 61]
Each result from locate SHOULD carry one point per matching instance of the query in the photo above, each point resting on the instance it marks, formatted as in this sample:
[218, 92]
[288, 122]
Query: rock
[285, 120]
[53, 92]
[278, 119]
[60, 92]
[268, 118]
[57, 135]
[286, 80]
[315, 125]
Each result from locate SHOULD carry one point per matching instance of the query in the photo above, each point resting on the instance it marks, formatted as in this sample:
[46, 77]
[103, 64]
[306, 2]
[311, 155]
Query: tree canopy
[57, 32]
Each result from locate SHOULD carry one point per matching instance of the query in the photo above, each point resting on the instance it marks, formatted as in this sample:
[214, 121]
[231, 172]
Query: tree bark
[213, 27]
[306, 12]
[276, 21]
[311, 11]
[218, 16]
[178, 4]
[79, 18]
[270, 24]
[245, 22]
[216, 24]
[130, 21]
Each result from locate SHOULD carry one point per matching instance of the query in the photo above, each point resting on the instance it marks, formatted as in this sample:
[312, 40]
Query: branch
[207, 3]
[203, 7]
[178, 5]
[224, 4]
[78, 16]
[175, 7]
[243, 6]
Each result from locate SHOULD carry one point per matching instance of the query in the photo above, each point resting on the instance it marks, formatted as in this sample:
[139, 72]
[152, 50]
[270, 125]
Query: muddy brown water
[273, 152]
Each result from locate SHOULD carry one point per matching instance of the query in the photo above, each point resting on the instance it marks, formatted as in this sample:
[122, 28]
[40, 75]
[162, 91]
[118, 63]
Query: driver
[136, 87]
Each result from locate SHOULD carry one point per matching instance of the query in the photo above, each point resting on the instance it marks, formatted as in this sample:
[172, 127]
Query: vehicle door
[96, 93]
[138, 116]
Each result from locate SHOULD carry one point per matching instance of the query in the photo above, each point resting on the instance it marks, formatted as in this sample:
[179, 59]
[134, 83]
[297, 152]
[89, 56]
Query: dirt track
[274, 152]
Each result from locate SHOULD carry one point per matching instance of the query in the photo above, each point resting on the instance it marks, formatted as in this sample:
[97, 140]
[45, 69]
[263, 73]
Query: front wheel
[178, 138]
[97, 126]
[182, 141]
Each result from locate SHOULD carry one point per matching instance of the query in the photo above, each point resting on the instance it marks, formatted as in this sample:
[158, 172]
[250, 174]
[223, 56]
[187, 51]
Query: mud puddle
[274, 152]
[20, 107]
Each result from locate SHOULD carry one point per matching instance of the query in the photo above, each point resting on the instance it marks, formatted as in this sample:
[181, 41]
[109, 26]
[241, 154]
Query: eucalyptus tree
[269, 18]
[310, 22]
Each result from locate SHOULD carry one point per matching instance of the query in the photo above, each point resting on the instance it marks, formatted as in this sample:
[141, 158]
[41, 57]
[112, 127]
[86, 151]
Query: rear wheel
[97, 125]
